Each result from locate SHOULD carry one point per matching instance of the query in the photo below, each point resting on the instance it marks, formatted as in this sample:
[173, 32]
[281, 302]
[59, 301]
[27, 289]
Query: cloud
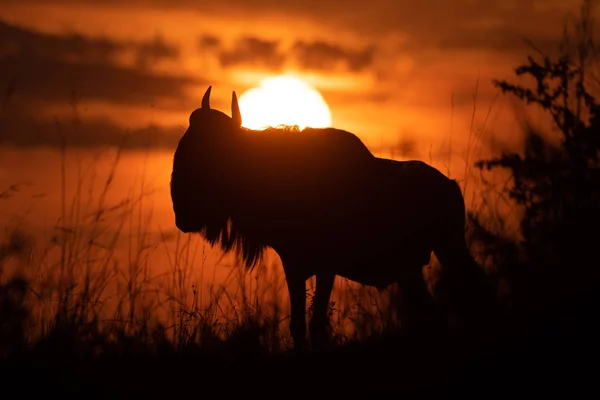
[500, 39]
[54, 80]
[45, 67]
[322, 55]
[250, 51]
[404, 55]
[76, 47]
[154, 50]
[39, 70]
[326, 28]
[433, 18]
[21, 127]
[209, 42]
[253, 51]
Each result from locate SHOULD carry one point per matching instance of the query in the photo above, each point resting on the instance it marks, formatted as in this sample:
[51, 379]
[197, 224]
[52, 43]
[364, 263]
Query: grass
[107, 302]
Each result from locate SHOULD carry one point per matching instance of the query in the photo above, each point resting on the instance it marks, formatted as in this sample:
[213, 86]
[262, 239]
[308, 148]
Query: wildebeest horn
[236, 115]
[206, 98]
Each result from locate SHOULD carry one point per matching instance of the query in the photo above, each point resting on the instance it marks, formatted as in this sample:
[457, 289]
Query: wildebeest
[323, 202]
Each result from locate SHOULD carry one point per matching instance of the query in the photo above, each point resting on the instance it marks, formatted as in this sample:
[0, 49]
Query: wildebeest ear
[236, 115]
[206, 99]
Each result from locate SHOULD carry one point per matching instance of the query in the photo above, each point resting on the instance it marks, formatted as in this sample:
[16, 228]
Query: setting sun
[284, 100]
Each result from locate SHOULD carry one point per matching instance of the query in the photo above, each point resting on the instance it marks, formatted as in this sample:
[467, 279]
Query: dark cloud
[209, 42]
[155, 50]
[502, 39]
[434, 34]
[326, 56]
[254, 52]
[21, 127]
[262, 53]
[53, 80]
[46, 67]
[39, 69]
[437, 18]
[423, 26]
[73, 47]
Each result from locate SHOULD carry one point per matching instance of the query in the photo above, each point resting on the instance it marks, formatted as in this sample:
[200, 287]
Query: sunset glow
[284, 100]
[433, 233]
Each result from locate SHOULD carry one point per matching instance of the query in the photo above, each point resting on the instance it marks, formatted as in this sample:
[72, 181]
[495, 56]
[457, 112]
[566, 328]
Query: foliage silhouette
[556, 181]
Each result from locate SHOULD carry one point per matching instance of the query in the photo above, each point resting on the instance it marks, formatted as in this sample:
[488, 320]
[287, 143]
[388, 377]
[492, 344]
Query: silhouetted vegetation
[56, 332]
[556, 178]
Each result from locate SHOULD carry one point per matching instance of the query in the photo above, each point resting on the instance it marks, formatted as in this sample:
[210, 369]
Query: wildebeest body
[322, 201]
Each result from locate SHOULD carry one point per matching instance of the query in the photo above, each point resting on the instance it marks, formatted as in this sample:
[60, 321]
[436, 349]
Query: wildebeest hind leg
[418, 309]
[463, 287]
[297, 290]
[319, 322]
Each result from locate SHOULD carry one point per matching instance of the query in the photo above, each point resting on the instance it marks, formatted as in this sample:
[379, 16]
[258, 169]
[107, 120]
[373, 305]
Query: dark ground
[557, 354]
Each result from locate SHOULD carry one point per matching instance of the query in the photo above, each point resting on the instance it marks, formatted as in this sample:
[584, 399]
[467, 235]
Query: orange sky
[387, 68]
[390, 70]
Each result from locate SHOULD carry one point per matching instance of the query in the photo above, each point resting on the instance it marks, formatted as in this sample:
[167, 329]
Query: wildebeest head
[195, 180]
[206, 121]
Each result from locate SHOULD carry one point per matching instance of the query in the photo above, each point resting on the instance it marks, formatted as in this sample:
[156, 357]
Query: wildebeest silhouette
[323, 202]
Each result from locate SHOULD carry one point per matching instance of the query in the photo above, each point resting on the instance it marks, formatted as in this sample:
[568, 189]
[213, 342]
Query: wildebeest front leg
[297, 289]
[319, 322]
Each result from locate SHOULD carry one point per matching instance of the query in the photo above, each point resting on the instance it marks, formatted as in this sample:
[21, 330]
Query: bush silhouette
[556, 182]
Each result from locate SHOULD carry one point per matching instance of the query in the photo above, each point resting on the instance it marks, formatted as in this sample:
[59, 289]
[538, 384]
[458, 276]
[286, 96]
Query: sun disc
[284, 100]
